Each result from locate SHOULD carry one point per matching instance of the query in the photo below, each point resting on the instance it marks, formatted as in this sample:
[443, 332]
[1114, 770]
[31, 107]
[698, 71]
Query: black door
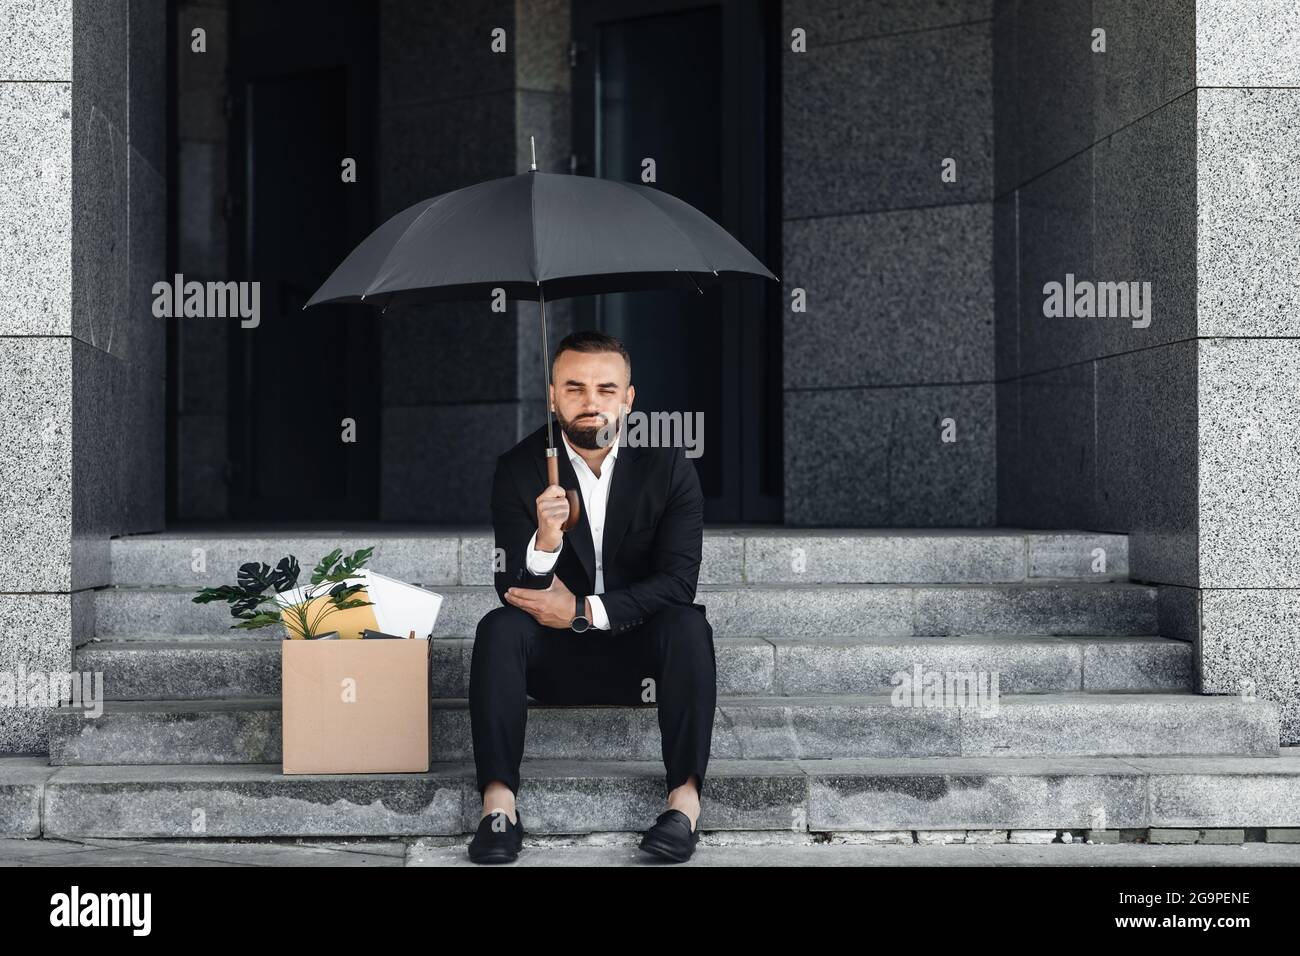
[302, 97]
[695, 86]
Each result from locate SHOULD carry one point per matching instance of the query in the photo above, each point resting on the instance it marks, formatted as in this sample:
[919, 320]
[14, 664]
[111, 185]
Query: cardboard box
[355, 706]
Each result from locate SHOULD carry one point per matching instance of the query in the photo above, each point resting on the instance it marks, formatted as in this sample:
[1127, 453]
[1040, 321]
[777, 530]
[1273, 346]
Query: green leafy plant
[249, 601]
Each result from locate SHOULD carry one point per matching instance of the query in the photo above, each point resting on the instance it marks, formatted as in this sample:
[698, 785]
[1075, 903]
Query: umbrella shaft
[546, 370]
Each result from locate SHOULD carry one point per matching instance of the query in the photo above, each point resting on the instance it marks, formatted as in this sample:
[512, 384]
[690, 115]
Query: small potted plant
[250, 602]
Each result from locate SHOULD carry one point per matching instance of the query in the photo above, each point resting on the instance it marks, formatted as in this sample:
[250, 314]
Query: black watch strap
[580, 611]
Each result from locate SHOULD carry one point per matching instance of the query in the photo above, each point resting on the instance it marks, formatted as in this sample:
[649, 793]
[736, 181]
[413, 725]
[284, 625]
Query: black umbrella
[538, 236]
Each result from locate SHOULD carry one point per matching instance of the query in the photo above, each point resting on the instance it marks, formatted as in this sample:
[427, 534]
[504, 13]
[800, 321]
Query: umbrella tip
[532, 143]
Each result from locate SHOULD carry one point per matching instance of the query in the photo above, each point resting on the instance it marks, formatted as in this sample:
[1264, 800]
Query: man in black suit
[604, 614]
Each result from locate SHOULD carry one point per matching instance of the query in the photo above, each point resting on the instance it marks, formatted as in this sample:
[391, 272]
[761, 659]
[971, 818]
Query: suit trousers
[668, 661]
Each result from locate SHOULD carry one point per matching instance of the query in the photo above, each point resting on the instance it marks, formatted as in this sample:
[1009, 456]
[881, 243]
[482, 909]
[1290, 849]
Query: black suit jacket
[653, 536]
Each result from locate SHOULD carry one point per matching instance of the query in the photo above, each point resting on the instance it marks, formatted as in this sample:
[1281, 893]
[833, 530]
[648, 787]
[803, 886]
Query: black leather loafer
[497, 840]
[672, 837]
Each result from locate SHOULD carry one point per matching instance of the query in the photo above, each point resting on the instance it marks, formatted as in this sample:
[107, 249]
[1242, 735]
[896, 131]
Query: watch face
[579, 624]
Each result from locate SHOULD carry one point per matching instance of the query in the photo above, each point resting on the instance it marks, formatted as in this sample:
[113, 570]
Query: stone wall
[82, 137]
[897, 342]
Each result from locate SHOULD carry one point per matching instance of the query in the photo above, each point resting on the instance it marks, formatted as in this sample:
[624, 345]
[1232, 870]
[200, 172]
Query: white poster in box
[402, 608]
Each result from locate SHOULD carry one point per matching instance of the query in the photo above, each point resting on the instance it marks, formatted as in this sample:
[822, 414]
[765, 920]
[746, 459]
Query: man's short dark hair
[590, 340]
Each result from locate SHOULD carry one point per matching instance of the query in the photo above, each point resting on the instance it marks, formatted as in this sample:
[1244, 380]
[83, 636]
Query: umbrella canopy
[538, 235]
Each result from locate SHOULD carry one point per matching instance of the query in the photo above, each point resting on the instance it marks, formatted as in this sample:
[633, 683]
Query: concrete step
[759, 555]
[750, 728]
[563, 797]
[197, 667]
[779, 610]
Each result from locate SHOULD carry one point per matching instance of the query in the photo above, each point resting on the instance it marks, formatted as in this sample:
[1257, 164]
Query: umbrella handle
[553, 478]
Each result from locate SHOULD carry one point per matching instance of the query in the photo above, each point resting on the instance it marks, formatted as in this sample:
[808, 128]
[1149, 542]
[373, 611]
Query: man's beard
[585, 432]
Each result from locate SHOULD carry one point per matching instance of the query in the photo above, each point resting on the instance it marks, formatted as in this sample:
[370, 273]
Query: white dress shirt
[595, 494]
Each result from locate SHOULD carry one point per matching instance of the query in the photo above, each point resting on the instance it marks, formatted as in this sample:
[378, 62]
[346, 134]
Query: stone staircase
[1097, 724]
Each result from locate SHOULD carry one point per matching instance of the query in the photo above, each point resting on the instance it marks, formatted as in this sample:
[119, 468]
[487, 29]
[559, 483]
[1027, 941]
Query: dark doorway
[695, 87]
[301, 100]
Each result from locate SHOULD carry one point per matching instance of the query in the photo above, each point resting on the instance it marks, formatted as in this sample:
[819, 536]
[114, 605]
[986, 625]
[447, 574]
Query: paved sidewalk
[620, 850]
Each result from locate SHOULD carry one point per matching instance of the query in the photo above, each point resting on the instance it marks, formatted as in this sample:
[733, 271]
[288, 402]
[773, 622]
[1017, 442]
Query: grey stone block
[1147, 459]
[457, 60]
[1056, 97]
[1250, 647]
[1150, 59]
[478, 559]
[1222, 835]
[452, 352]
[36, 632]
[814, 611]
[722, 559]
[1282, 834]
[1179, 611]
[100, 219]
[1050, 90]
[1141, 665]
[100, 55]
[419, 160]
[36, 473]
[929, 97]
[888, 301]
[1145, 225]
[1118, 724]
[1223, 792]
[1055, 240]
[164, 732]
[1233, 48]
[967, 793]
[1172, 835]
[1010, 492]
[416, 463]
[37, 44]
[862, 665]
[188, 669]
[147, 115]
[1249, 483]
[251, 800]
[897, 470]
[1247, 201]
[36, 137]
[873, 557]
[835, 21]
[542, 50]
[1036, 609]
[22, 780]
[1056, 472]
[1076, 556]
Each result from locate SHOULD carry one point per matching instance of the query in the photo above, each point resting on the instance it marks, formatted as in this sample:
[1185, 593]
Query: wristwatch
[580, 622]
